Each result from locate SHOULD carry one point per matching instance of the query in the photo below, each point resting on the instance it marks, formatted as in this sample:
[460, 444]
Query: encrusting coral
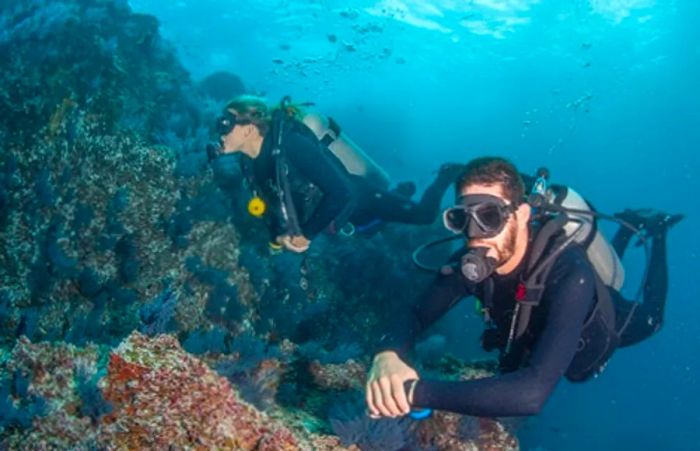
[160, 396]
[165, 397]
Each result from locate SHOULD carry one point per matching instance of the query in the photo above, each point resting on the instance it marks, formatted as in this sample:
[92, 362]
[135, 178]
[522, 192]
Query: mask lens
[489, 216]
[455, 219]
[225, 123]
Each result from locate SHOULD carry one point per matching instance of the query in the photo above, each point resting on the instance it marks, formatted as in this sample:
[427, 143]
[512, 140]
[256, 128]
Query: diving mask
[478, 216]
[227, 122]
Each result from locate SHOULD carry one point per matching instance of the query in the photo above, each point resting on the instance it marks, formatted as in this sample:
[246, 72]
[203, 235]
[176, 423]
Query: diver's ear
[251, 131]
[247, 130]
[523, 213]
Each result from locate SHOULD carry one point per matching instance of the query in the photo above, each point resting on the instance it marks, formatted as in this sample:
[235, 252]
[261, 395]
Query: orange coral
[164, 397]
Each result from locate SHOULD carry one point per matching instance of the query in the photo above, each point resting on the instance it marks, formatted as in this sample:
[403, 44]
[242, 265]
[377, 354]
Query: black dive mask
[476, 266]
[478, 216]
[226, 123]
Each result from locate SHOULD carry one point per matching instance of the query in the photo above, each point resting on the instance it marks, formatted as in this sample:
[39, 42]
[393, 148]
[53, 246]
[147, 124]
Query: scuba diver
[548, 308]
[308, 177]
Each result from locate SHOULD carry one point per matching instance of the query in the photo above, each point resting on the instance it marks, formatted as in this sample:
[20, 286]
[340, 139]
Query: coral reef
[66, 55]
[343, 376]
[159, 396]
[118, 242]
[97, 217]
[351, 423]
[164, 397]
[148, 393]
[51, 373]
[446, 431]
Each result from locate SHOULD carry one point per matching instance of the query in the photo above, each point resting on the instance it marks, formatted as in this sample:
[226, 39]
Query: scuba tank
[600, 252]
[355, 160]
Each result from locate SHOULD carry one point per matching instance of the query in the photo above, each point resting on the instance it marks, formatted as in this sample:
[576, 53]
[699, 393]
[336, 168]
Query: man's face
[234, 139]
[502, 246]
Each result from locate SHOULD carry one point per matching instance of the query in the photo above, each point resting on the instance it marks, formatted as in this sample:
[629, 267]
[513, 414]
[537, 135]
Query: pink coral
[165, 397]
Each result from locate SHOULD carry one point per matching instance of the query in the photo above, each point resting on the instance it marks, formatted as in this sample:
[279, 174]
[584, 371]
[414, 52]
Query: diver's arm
[384, 390]
[338, 197]
[408, 323]
[569, 296]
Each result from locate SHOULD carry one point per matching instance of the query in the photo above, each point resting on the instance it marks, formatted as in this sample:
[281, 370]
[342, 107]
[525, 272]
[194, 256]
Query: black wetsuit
[547, 351]
[321, 189]
[326, 195]
[377, 204]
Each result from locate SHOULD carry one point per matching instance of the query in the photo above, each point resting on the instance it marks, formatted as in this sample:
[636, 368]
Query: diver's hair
[493, 171]
[254, 110]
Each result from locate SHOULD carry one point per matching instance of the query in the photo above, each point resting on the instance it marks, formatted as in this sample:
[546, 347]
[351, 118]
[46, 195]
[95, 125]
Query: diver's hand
[385, 393]
[297, 243]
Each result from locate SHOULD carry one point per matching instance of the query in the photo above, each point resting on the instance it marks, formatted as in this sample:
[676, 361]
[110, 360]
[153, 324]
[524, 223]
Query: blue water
[603, 92]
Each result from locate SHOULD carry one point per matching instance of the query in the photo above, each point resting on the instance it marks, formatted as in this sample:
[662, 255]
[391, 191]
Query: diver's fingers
[289, 244]
[388, 397]
[378, 400]
[295, 244]
[301, 242]
[369, 398]
[399, 395]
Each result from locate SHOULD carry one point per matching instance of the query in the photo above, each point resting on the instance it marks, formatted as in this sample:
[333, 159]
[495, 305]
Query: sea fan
[21, 414]
[203, 341]
[157, 315]
[93, 404]
[350, 422]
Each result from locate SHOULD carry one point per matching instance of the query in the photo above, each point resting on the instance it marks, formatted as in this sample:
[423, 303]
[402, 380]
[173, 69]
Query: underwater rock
[84, 192]
[64, 55]
[148, 393]
[159, 396]
[351, 423]
[164, 397]
[343, 376]
[50, 369]
[449, 431]
[119, 249]
[221, 86]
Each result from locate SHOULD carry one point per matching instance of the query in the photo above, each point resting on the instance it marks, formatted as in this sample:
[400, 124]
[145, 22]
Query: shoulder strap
[248, 173]
[278, 128]
[537, 270]
[539, 264]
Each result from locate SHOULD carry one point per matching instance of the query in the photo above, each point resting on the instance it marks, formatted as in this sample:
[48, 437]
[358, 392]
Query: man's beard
[507, 250]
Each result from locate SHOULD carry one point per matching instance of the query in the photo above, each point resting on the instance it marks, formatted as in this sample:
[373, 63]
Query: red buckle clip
[520, 292]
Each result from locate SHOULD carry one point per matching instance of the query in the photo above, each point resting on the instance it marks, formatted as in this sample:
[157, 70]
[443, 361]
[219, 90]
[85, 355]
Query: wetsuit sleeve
[568, 298]
[444, 292]
[338, 197]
